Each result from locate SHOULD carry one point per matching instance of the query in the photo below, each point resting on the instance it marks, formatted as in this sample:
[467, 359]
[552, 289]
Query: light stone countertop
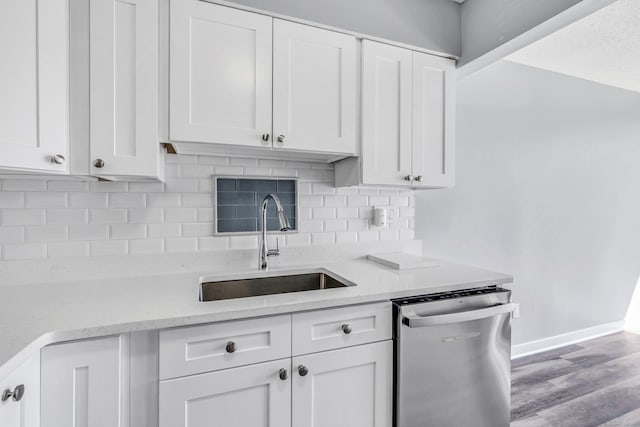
[40, 313]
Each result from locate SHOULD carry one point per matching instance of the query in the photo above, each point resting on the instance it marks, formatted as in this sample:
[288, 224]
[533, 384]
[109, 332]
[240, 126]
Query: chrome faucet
[265, 253]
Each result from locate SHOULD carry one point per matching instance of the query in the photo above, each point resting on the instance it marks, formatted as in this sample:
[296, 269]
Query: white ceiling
[603, 47]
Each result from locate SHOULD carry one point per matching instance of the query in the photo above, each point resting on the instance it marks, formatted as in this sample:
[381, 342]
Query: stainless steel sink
[241, 288]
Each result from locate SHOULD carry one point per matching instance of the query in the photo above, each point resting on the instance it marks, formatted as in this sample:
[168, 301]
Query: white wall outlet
[380, 218]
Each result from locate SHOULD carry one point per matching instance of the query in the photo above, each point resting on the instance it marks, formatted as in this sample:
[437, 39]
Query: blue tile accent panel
[239, 200]
[237, 225]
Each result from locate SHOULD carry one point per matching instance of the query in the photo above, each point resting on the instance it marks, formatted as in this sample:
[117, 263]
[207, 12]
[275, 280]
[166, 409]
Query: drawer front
[204, 348]
[322, 330]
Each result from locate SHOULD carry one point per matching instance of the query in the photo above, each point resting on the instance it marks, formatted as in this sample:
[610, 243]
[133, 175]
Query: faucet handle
[276, 251]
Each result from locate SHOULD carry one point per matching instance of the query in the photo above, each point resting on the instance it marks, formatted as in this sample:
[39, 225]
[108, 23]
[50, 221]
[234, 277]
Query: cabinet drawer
[340, 327]
[196, 349]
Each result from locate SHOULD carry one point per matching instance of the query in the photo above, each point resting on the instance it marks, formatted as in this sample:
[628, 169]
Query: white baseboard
[537, 346]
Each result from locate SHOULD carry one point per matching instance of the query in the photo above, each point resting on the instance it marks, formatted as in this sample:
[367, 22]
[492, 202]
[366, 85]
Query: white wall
[42, 218]
[548, 189]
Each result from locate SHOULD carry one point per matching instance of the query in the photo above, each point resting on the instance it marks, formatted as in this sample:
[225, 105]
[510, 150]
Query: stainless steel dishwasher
[453, 359]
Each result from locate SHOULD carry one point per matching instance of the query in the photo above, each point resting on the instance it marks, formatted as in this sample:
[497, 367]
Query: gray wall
[430, 24]
[548, 189]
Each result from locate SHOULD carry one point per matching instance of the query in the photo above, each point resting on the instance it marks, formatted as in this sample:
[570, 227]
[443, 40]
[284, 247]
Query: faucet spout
[265, 253]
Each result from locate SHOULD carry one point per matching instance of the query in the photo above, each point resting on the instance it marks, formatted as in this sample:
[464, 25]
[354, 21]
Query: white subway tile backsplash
[309, 226]
[107, 216]
[88, 200]
[181, 244]
[12, 234]
[180, 215]
[16, 251]
[146, 215]
[199, 200]
[67, 249]
[109, 247]
[346, 213]
[46, 233]
[210, 243]
[378, 201]
[11, 199]
[323, 238]
[42, 218]
[298, 239]
[164, 230]
[109, 187]
[243, 242]
[89, 232]
[128, 231]
[186, 185]
[323, 213]
[163, 200]
[24, 185]
[335, 225]
[335, 201]
[67, 186]
[67, 216]
[346, 237]
[127, 200]
[146, 246]
[146, 187]
[197, 229]
[22, 216]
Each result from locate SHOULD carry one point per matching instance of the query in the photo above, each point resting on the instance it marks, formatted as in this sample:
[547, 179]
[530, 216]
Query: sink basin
[241, 288]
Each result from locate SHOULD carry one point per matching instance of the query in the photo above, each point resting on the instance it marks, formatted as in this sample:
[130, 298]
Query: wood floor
[595, 383]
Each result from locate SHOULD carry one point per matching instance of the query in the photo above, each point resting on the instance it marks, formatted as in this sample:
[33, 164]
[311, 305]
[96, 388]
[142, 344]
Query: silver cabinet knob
[265, 137]
[281, 138]
[231, 347]
[408, 178]
[418, 178]
[346, 329]
[303, 371]
[16, 394]
[283, 374]
[99, 163]
[57, 159]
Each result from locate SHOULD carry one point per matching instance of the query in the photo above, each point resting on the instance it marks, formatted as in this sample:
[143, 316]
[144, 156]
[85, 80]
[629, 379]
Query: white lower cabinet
[250, 396]
[350, 387]
[340, 375]
[20, 391]
[105, 382]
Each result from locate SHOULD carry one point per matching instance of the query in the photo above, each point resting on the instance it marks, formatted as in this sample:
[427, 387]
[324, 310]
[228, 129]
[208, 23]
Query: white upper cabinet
[314, 89]
[386, 113]
[220, 74]
[124, 89]
[433, 121]
[242, 79]
[407, 120]
[34, 82]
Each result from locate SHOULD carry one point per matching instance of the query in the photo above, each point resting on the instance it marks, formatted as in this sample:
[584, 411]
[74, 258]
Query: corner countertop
[37, 314]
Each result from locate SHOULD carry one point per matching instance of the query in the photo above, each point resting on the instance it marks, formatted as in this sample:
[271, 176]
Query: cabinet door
[433, 120]
[386, 114]
[83, 383]
[124, 88]
[352, 387]
[250, 396]
[26, 411]
[34, 83]
[220, 74]
[314, 89]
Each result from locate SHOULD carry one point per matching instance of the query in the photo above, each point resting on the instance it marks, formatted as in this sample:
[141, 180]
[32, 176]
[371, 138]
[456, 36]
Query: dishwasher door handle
[412, 320]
